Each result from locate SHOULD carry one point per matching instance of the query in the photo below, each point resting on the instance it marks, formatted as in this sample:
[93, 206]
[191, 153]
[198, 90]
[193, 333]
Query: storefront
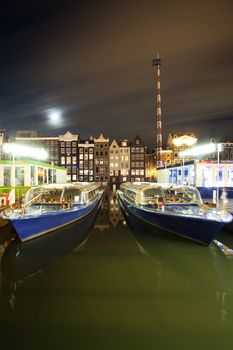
[29, 173]
[206, 175]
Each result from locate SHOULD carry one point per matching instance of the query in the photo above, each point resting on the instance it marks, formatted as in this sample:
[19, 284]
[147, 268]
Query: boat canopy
[150, 193]
[57, 193]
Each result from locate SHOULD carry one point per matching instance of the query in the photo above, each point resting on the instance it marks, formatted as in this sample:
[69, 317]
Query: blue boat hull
[34, 226]
[22, 260]
[199, 230]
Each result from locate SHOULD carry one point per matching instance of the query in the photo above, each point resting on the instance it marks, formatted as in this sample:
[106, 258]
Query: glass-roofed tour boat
[173, 208]
[53, 206]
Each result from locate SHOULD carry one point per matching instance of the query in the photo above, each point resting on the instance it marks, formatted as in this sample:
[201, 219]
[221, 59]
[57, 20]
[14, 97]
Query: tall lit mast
[156, 62]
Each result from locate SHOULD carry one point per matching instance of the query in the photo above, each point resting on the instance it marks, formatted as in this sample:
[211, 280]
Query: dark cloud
[93, 60]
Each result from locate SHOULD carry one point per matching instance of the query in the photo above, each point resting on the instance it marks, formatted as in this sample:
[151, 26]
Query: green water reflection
[103, 285]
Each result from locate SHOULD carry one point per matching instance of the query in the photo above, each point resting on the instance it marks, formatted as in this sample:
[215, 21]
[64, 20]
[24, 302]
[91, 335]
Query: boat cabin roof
[83, 186]
[56, 193]
[143, 191]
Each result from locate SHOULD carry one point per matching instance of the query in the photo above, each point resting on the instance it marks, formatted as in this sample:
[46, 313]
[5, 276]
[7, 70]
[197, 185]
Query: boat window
[91, 194]
[72, 195]
[43, 195]
[51, 196]
[131, 194]
[183, 194]
[193, 194]
[32, 193]
[153, 194]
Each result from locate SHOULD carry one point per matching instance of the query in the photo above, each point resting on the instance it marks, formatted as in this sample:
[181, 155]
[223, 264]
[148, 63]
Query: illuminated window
[230, 177]
[207, 177]
[219, 178]
[7, 177]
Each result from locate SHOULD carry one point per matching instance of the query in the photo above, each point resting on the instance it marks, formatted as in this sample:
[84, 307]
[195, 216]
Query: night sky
[91, 60]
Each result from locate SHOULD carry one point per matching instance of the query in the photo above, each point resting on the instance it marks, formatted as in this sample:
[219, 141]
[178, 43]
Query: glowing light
[25, 151]
[199, 150]
[184, 140]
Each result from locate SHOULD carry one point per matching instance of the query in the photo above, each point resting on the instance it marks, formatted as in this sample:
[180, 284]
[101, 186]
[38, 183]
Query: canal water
[101, 284]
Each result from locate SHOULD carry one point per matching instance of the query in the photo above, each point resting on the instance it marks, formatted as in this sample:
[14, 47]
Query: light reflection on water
[104, 285]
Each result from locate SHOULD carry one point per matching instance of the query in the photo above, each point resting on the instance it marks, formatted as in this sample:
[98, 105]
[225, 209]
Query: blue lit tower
[156, 62]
